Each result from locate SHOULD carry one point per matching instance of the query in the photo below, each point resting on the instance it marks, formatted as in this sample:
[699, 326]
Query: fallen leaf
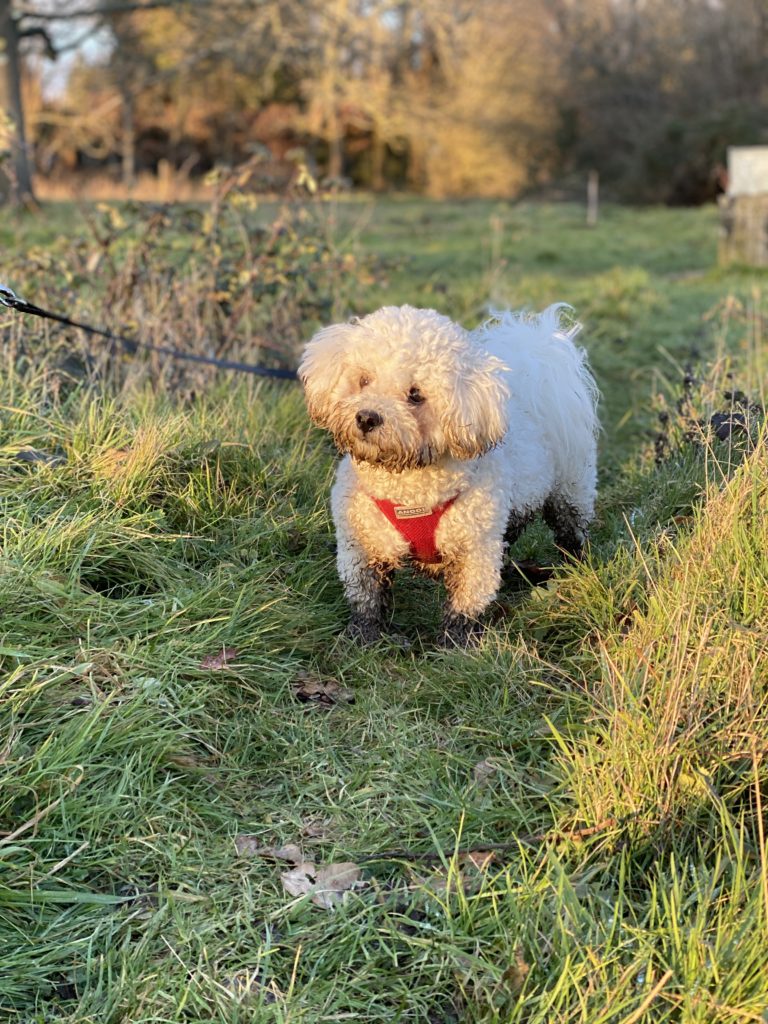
[482, 772]
[220, 660]
[250, 846]
[247, 846]
[682, 520]
[339, 878]
[478, 859]
[466, 875]
[487, 989]
[183, 760]
[93, 261]
[326, 884]
[244, 985]
[515, 975]
[315, 828]
[301, 880]
[311, 689]
[111, 458]
[290, 853]
[295, 541]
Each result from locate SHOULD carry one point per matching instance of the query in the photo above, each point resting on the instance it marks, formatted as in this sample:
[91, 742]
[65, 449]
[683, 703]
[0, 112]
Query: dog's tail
[548, 375]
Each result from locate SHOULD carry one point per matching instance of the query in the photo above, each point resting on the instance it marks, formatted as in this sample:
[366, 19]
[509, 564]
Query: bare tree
[12, 31]
[16, 26]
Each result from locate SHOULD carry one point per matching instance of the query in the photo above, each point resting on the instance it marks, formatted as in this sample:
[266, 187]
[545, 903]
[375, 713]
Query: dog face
[403, 388]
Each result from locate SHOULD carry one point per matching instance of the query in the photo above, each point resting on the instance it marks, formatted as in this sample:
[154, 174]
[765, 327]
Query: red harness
[418, 525]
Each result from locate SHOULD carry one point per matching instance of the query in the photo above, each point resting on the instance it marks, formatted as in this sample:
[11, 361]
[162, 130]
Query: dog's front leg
[472, 580]
[367, 589]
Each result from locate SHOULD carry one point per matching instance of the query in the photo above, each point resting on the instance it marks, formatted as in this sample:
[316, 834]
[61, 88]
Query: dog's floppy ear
[322, 365]
[477, 419]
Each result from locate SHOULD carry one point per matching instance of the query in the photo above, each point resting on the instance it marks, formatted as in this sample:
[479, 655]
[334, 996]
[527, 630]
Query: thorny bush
[707, 411]
[238, 279]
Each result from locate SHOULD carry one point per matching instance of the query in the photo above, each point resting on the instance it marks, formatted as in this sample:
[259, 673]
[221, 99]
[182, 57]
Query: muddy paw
[398, 640]
[363, 630]
[460, 631]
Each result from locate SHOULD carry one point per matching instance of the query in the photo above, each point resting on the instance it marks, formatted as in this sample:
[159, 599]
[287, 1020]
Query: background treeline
[443, 97]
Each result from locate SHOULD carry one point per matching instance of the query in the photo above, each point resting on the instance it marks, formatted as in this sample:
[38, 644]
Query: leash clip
[8, 297]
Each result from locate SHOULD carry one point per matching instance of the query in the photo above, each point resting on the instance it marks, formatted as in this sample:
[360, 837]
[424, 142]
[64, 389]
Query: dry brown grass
[165, 187]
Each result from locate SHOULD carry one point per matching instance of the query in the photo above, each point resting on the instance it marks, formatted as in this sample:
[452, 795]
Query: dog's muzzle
[367, 420]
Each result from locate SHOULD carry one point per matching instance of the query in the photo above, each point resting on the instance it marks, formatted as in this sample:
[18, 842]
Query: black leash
[10, 299]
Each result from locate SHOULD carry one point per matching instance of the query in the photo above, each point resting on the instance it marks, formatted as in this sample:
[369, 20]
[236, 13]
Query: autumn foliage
[488, 97]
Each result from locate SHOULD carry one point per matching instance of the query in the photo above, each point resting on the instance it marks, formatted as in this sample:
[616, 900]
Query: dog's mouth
[395, 460]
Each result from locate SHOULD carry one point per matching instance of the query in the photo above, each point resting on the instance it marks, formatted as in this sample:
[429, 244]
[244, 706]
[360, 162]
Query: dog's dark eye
[364, 381]
[415, 397]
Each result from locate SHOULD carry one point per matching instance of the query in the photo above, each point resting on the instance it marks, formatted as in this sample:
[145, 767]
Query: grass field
[168, 593]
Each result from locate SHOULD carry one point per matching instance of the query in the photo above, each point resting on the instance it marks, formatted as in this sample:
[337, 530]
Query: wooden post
[744, 230]
[744, 210]
[128, 138]
[593, 198]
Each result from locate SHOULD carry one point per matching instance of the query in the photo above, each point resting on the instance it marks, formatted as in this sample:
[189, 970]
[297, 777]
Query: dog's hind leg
[516, 523]
[567, 523]
[512, 574]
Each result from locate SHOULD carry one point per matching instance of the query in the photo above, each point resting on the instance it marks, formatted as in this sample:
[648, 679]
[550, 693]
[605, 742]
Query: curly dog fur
[474, 432]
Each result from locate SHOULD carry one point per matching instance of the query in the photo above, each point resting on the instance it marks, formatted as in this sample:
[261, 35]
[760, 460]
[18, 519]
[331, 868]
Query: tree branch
[37, 30]
[534, 839]
[110, 8]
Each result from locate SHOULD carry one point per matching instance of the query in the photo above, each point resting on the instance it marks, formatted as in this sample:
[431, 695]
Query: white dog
[452, 442]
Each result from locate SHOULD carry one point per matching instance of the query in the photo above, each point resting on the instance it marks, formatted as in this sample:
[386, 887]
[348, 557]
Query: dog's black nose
[367, 419]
